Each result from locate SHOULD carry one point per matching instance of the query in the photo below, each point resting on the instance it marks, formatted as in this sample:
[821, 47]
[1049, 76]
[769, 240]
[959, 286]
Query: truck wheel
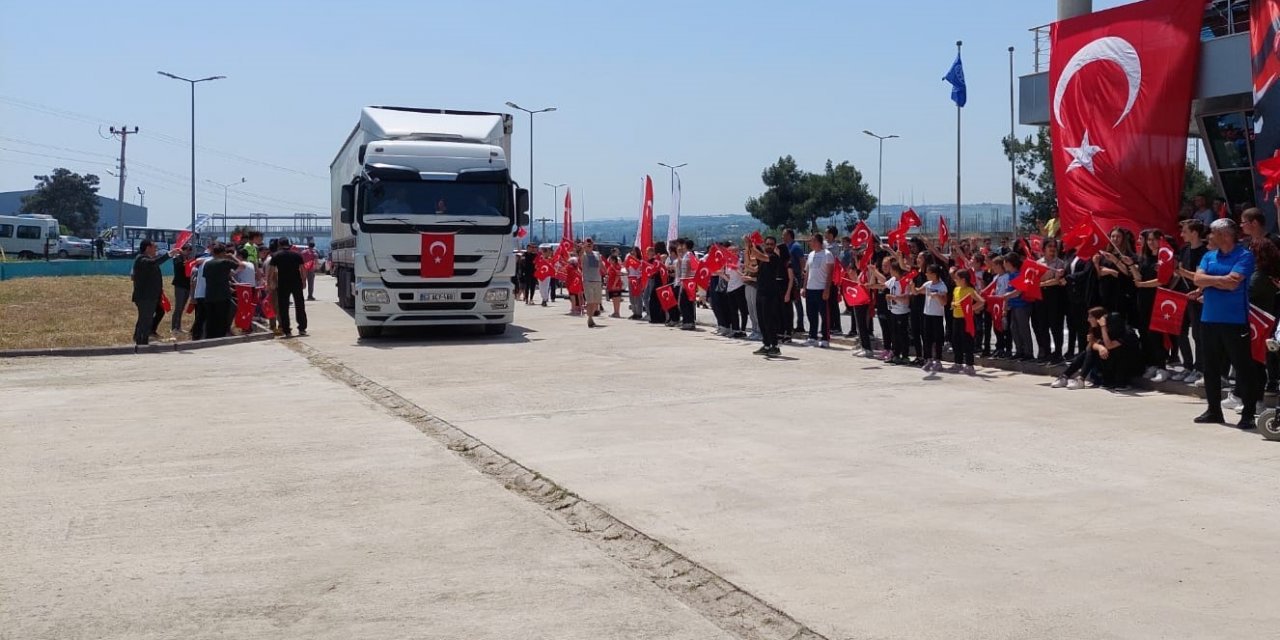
[1269, 425]
[495, 329]
[369, 332]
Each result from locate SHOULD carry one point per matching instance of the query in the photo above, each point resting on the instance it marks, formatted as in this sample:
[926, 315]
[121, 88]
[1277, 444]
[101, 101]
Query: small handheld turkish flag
[522, 232]
[861, 236]
[183, 238]
[633, 264]
[1028, 280]
[969, 326]
[1037, 245]
[1261, 326]
[1269, 169]
[855, 295]
[268, 309]
[715, 258]
[191, 308]
[837, 275]
[246, 300]
[995, 307]
[666, 298]
[1167, 311]
[908, 219]
[164, 303]
[690, 287]
[635, 284]
[1165, 262]
[1086, 238]
[756, 238]
[944, 234]
[437, 255]
[702, 277]
[543, 271]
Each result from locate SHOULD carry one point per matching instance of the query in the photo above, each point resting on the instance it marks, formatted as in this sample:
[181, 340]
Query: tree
[1196, 183]
[69, 197]
[796, 198]
[1033, 165]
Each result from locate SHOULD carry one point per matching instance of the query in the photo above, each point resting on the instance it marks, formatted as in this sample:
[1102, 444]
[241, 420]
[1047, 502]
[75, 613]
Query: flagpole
[959, 225]
[1013, 172]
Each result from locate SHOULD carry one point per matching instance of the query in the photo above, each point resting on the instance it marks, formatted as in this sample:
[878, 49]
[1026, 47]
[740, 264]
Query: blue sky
[726, 86]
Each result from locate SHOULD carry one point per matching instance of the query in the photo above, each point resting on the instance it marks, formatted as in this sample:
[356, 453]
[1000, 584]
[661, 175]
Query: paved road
[288, 507]
[871, 502]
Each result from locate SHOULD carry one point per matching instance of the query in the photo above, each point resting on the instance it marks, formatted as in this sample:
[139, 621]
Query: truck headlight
[375, 296]
[497, 295]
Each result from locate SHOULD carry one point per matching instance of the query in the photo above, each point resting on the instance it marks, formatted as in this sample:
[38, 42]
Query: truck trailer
[411, 185]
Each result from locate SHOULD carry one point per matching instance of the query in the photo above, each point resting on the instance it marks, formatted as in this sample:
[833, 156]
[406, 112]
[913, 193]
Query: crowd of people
[226, 285]
[1039, 299]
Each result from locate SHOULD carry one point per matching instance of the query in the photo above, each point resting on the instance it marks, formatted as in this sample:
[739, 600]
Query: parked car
[73, 247]
[119, 251]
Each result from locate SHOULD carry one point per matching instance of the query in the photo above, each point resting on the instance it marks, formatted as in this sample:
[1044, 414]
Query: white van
[24, 236]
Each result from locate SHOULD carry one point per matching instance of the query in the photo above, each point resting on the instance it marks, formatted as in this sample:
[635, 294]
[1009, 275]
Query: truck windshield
[389, 198]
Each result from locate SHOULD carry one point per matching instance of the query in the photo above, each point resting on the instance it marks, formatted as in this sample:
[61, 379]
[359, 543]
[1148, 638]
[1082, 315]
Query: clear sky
[727, 87]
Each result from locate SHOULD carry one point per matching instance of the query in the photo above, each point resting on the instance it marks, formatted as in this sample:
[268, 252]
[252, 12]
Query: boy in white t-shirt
[817, 290]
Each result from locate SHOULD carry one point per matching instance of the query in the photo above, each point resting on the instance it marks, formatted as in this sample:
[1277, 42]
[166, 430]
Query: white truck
[404, 172]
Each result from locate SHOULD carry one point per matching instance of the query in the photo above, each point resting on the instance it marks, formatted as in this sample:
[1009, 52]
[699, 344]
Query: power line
[160, 137]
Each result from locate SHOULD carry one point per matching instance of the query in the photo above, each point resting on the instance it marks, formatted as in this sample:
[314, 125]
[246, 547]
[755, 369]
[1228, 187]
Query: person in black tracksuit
[148, 283]
[773, 280]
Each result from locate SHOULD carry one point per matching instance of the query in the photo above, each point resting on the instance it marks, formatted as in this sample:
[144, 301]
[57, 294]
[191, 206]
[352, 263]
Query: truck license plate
[433, 297]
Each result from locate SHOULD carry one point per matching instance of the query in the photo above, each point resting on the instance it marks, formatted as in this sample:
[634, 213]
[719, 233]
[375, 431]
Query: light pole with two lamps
[193, 84]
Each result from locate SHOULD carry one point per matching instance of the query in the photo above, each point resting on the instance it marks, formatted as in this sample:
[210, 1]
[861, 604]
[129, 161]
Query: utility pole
[544, 221]
[124, 134]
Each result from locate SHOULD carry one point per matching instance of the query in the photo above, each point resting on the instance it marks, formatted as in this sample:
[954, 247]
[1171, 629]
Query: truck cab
[404, 173]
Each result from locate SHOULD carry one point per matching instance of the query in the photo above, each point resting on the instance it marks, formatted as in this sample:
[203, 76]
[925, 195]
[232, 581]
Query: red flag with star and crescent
[437, 255]
[944, 233]
[1086, 238]
[995, 307]
[667, 298]
[855, 295]
[1120, 88]
[908, 219]
[1028, 280]
[1166, 262]
[246, 302]
[1261, 326]
[1167, 311]
[715, 258]
[861, 236]
[970, 327]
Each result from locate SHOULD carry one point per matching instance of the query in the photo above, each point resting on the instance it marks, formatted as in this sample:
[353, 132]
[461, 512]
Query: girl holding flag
[965, 304]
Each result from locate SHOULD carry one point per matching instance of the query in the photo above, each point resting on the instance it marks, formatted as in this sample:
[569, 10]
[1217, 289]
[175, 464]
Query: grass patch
[79, 311]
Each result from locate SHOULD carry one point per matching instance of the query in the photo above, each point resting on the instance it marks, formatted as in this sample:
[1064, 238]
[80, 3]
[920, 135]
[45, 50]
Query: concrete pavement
[869, 501]
[289, 507]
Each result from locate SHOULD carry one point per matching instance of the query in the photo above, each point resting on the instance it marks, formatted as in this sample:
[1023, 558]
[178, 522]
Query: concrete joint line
[717, 599]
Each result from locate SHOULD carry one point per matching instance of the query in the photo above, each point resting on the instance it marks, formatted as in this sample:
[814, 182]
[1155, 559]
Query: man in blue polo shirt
[1224, 320]
[797, 253]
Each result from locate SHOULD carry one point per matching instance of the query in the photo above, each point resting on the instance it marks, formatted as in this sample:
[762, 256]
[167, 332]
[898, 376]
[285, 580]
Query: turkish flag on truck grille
[437, 255]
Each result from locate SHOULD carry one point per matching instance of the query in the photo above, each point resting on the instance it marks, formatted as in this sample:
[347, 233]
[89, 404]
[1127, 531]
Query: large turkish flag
[437, 255]
[1120, 88]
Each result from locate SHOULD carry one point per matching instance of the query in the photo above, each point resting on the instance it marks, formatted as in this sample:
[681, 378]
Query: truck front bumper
[377, 305]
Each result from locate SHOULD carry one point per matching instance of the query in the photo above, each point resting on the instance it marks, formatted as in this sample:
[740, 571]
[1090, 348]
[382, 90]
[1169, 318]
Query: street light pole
[226, 188]
[193, 84]
[880, 173]
[531, 113]
[555, 197]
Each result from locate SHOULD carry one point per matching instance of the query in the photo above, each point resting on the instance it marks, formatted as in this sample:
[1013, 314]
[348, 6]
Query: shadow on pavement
[393, 337]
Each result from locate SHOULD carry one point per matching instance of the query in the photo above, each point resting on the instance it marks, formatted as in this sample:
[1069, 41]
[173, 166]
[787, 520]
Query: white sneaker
[1196, 379]
[810, 343]
[1074, 384]
[1059, 383]
[1232, 403]
[1150, 373]
[1160, 376]
[755, 337]
[824, 344]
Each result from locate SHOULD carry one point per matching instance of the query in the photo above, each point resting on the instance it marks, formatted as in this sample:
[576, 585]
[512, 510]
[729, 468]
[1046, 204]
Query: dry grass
[88, 311]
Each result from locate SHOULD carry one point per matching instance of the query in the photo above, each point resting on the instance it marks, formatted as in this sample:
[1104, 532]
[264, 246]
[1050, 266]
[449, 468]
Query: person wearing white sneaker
[1059, 383]
[810, 343]
[1161, 375]
[1224, 323]
[1232, 403]
[823, 344]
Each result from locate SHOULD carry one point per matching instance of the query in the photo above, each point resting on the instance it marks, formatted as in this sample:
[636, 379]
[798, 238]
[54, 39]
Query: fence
[55, 268]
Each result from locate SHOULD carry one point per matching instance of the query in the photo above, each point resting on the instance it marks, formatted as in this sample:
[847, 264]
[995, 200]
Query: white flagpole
[959, 225]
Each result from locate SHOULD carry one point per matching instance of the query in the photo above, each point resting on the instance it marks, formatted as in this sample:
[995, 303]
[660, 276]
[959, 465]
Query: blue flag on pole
[955, 76]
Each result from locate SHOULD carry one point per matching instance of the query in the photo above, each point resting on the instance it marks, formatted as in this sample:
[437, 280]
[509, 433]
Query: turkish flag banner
[855, 295]
[908, 219]
[437, 255]
[1166, 262]
[910, 276]
[564, 250]
[1120, 88]
[1037, 245]
[567, 227]
[970, 327]
[522, 232]
[267, 301]
[635, 284]
[183, 238]
[246, 298]
[543, 270]
[666, 298]
[861, 236]
[1086, 238]
[1167, 311]
[837, 275]
[995, 307]
[715, 258]
[651, 269]
[1261, 326]
[756, 238]
[632, 263]
[164, 303]
[1028, 280]
[702, 277]
[690, 287]
[944, 234]
[191, 308]
[573, 281]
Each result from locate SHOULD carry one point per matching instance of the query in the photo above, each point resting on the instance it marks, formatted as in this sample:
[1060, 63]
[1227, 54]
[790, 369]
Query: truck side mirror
[522, 203]
[348, 203]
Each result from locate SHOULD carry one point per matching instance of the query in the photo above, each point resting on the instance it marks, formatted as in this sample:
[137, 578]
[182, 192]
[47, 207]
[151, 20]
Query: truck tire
[495, 329]
[369, 332]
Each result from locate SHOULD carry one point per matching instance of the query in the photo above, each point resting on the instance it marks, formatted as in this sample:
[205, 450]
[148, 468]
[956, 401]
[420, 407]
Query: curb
[261, 335]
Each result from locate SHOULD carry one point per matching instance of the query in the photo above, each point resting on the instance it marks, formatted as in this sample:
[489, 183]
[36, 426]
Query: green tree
[795, 198]
[69, 197]
[1196, 183]
[1033, 165]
